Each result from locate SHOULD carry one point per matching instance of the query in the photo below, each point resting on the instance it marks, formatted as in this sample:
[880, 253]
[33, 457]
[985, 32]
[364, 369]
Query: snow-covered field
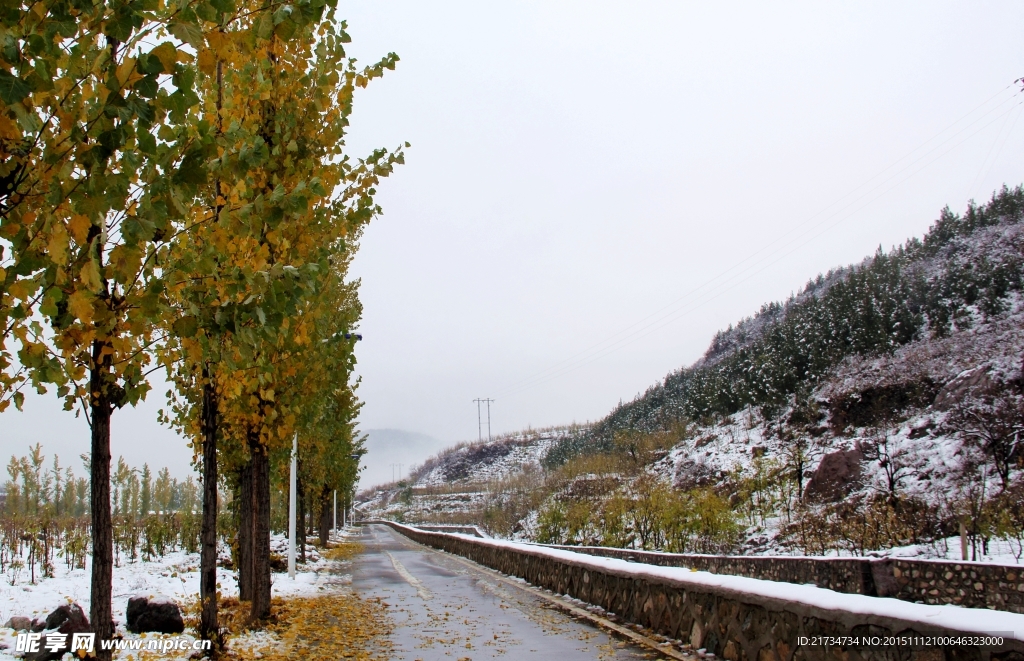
[175, 575]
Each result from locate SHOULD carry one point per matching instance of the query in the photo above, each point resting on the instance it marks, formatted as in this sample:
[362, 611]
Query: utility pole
[479, 423]
[399, 471]
[291, 508]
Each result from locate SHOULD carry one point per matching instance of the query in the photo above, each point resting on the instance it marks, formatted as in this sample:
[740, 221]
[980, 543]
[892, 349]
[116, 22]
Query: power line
[999, 140]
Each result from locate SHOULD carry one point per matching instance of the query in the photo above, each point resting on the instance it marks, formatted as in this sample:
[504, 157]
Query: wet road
[444, 609]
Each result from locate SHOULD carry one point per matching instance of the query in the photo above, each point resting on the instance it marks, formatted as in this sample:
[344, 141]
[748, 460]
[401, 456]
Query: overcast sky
[594, 188]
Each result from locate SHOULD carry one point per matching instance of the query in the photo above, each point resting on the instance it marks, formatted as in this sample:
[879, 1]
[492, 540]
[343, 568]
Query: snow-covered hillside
[453, 486]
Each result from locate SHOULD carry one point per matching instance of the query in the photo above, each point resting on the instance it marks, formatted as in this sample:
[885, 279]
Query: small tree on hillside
[992, 423]
[1008, 517]
[885, 447]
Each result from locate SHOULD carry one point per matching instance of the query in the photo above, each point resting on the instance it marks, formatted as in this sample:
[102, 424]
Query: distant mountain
[394, 446]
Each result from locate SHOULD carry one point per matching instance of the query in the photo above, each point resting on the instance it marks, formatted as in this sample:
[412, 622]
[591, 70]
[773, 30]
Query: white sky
[579, 166]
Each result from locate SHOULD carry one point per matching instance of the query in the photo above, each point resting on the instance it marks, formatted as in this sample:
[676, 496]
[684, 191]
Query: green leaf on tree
[186, 327]
[188, 32]
[12, 88]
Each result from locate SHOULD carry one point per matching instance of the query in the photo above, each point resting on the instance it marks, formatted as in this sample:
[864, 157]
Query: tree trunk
[208, 597]
[208, 628]
[100, 612]
[260, 531]
[245, 574]
[325, 516]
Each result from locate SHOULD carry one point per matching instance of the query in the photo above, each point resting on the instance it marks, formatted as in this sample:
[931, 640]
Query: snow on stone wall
[736, 617]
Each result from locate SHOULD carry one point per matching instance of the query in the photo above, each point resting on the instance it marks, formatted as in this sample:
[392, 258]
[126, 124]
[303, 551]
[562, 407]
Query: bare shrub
[992, 424]
[885, 447]
[862, 524]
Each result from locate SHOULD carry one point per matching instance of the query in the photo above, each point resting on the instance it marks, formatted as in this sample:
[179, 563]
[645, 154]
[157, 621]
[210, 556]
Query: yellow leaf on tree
[90, 275]
[80, 305]
[167, 55]
[207, 61]
[127, 73]
[219, 42]
[79, 227]
[21, 289]
[57, 246]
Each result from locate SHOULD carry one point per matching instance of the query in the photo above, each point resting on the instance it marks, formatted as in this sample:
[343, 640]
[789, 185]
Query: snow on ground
[716, 450]
[1000, 552]
[484, 462]
[175, 575]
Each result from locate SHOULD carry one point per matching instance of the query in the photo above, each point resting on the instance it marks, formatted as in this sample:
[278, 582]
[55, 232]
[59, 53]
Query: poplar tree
[280, 200]
[329, 446]
[91, 189]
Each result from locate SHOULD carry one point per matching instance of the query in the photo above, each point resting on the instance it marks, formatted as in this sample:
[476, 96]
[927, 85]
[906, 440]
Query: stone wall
[970, 584]
[465, 530]
[734, 625]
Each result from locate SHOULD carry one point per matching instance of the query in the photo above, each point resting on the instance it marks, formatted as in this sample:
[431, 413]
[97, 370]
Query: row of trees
[33, 490]
[44, 514]
[174, 194]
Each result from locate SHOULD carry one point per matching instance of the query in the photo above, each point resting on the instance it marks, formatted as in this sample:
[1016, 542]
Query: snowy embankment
[174, 575]
[482, 462]
[930, 618]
